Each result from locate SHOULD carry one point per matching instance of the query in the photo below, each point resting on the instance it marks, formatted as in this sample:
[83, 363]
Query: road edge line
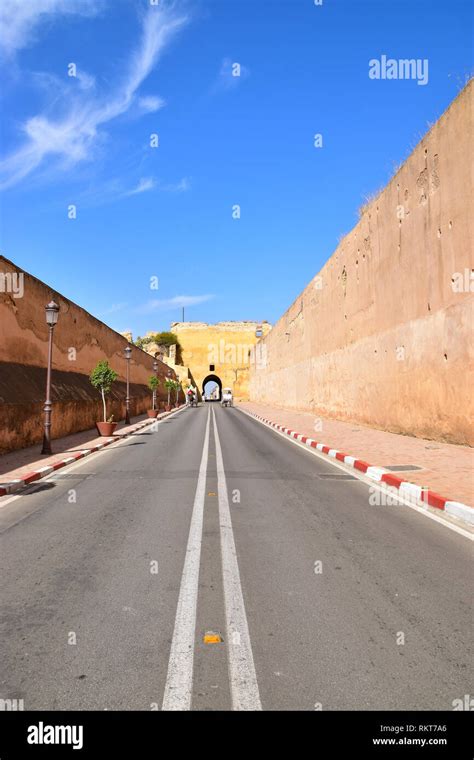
[317, 450]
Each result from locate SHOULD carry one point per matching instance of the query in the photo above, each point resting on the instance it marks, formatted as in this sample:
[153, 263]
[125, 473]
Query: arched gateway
[213, 380]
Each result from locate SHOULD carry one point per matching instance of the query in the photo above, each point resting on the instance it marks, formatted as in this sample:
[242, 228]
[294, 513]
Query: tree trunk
[105, 407]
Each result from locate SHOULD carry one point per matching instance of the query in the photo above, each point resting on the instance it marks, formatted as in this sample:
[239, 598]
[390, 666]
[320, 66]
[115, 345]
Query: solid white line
[243, 679]
[372, 483]
[179, 681]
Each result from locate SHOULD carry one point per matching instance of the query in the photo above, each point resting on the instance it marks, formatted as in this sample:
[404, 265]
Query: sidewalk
[18, 468]
[445, 468]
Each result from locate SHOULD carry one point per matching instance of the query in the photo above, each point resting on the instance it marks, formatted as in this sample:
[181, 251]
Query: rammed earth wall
[383, 334]
[80, 341]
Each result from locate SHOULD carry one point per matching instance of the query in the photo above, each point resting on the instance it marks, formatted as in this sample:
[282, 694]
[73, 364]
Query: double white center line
[243, 679]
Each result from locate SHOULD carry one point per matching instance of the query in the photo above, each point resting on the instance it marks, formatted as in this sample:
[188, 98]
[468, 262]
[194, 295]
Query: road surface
[115, 569]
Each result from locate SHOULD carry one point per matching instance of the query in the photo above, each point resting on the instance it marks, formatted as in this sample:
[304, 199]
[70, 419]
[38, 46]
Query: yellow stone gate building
[222, 352]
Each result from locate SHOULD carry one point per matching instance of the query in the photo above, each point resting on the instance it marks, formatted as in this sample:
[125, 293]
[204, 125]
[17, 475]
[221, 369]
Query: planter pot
[152, 412]
[106, 428]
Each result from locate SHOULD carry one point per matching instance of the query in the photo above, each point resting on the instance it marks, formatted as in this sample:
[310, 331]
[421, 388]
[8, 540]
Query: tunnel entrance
[212, 388]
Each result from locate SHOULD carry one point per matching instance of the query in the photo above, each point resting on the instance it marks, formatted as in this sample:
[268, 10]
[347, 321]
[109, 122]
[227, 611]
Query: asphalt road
[114, 570]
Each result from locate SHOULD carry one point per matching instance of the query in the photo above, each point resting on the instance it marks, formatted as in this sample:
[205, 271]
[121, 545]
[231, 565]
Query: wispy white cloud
[86, 81]
[150, 183]
[72, 137]
[150, 103]
[231, 74]
[116, 189]
[20, 19]
[177, 302]
[145, 184]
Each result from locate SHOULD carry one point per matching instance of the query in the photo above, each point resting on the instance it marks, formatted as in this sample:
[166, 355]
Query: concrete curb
[43, 472]
[418, 494]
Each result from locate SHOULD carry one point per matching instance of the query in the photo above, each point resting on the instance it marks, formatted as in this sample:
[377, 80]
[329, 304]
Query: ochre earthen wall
[80, 341]
[226, 345]
[383, 335]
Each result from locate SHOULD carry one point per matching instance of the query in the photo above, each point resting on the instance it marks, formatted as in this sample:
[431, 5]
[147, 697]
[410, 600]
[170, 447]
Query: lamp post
[155, 369]
[128, 354]
[52, 314]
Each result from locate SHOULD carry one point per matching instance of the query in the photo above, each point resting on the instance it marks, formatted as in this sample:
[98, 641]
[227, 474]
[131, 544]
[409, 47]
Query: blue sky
[166, 212]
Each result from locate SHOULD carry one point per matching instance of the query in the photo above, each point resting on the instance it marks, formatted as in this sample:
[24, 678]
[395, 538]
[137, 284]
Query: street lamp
[155, 369]
[52, 314]
[128, 355]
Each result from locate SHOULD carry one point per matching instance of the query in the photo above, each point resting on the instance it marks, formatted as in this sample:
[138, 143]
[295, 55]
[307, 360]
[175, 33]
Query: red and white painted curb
[406, 489]
[43, 472]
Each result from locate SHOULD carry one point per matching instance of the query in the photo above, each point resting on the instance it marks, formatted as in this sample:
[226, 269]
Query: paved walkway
[446, 468]
[15, 464]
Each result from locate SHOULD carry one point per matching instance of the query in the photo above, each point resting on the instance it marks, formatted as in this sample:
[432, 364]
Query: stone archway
[214, 379]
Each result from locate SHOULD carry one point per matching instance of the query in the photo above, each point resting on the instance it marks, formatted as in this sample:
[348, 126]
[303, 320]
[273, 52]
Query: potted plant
[153, 384]
[169, 385]
[103, 377]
